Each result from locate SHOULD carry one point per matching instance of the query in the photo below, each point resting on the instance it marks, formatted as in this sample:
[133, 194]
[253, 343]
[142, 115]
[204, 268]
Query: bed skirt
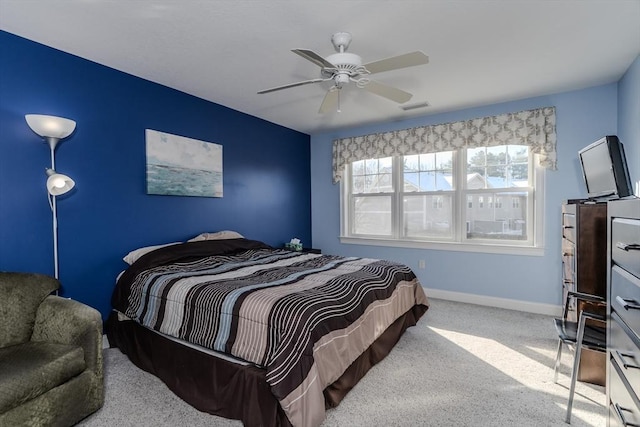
[227, 389]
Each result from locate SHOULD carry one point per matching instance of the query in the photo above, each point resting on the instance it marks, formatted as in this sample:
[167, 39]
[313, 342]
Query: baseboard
[510, 304]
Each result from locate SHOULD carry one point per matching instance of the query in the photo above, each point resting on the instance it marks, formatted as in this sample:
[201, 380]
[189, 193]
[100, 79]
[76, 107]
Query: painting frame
[181, 166]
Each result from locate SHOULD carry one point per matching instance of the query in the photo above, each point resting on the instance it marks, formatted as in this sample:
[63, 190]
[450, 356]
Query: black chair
[590, 331]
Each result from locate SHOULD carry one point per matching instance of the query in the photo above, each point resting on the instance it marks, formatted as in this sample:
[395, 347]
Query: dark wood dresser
[584, 269]
[623, 313]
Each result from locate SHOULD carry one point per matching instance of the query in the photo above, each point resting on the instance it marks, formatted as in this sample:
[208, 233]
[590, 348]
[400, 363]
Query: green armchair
[50, 354]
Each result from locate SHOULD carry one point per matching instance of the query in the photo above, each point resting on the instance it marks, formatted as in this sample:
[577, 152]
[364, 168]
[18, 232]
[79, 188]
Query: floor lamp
[53, 129]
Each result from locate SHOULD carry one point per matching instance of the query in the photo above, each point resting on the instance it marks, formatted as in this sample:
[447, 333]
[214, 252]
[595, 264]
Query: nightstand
[312, 250]
[306, 250]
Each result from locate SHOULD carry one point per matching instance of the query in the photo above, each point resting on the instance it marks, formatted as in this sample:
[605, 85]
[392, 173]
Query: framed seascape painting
[180, 166]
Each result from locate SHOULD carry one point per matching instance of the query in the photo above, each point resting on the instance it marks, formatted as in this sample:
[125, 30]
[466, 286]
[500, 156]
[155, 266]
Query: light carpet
[462, 365]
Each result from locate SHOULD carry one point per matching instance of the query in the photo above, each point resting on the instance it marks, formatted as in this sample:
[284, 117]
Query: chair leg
[557, 365]
[576, 366]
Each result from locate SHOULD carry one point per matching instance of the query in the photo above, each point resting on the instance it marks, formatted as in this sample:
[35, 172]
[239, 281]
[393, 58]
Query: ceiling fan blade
[306, 82]
[330, 101]
[389, 92]
[395, 62]
[314, 57]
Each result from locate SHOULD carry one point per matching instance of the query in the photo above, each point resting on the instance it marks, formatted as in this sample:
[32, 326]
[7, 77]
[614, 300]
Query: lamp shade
[58, 183]
[50, 126]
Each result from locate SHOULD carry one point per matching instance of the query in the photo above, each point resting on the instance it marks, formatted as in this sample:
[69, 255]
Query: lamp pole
[52, 129]
[55, 236]
[52, 202]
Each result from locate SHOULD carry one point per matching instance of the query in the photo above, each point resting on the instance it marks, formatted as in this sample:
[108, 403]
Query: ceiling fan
[343, 68]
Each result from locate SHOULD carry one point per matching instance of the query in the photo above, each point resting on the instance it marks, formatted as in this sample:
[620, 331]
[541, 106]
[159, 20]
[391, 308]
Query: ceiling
[225, 51]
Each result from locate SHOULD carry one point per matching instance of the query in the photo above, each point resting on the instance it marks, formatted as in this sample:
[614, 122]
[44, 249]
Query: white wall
[535, 281]
[629, 120]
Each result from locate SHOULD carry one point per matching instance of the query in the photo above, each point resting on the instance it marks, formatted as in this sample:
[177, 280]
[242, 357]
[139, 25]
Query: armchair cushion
[31, 369]
[21, 294]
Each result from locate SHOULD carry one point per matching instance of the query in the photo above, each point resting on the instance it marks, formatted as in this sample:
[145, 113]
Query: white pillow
[133, 256]
[220, 235]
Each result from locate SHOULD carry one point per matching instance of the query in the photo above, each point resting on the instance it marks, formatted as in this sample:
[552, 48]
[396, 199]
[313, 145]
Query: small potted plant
[294, 244]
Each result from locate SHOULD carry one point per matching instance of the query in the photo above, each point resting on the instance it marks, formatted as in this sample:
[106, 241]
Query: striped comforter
[303, 317]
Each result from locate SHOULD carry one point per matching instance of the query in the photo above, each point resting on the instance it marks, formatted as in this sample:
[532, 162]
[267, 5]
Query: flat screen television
[605, 170]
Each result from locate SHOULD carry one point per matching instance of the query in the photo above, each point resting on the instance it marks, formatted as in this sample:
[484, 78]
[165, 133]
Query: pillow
[220, 235]
[133, 256]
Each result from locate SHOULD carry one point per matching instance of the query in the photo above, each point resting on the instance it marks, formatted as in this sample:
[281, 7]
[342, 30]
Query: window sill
[447, 246]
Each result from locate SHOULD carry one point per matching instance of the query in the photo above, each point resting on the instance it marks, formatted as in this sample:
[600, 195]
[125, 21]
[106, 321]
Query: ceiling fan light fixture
[341, 79]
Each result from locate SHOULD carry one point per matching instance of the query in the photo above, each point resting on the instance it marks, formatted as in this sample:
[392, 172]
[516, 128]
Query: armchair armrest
[66, 321]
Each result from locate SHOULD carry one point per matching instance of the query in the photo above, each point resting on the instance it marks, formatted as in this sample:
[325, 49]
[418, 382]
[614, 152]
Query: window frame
[534, 245]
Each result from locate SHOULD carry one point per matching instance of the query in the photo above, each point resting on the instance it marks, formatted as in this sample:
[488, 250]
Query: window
[476, 196]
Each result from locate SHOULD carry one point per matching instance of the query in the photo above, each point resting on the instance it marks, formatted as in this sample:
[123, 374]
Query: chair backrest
[20, 296]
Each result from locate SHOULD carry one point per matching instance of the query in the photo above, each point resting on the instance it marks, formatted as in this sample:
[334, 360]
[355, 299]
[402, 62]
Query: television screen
[604, 168]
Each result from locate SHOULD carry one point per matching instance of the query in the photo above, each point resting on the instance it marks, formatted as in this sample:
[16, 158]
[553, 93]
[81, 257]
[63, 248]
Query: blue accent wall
[582, 117]
[266, 170]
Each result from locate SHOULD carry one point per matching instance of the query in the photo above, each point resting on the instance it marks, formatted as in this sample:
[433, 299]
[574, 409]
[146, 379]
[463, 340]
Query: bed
[267, 336]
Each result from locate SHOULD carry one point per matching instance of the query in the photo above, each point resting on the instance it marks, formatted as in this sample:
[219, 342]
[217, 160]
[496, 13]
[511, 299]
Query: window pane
[411, 181]
[497, 155]
[444, 161]
[411, 163]
[385, 164]
[372, 215]
[476, 168]
[428, 216]
[427, 162]
[519, 160]
[428, 181]
[358, 168]
[371, 166]
[385, 183]
[371, 184]
[504, 166]
[372, 176]
[428, 172]
[496, 176]
[505, 219]
[358, 184]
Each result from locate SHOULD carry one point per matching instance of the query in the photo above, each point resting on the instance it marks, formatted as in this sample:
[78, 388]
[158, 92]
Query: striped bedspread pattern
[266, 306]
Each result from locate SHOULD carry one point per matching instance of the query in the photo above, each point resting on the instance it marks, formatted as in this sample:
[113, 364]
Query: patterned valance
[535, 128]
